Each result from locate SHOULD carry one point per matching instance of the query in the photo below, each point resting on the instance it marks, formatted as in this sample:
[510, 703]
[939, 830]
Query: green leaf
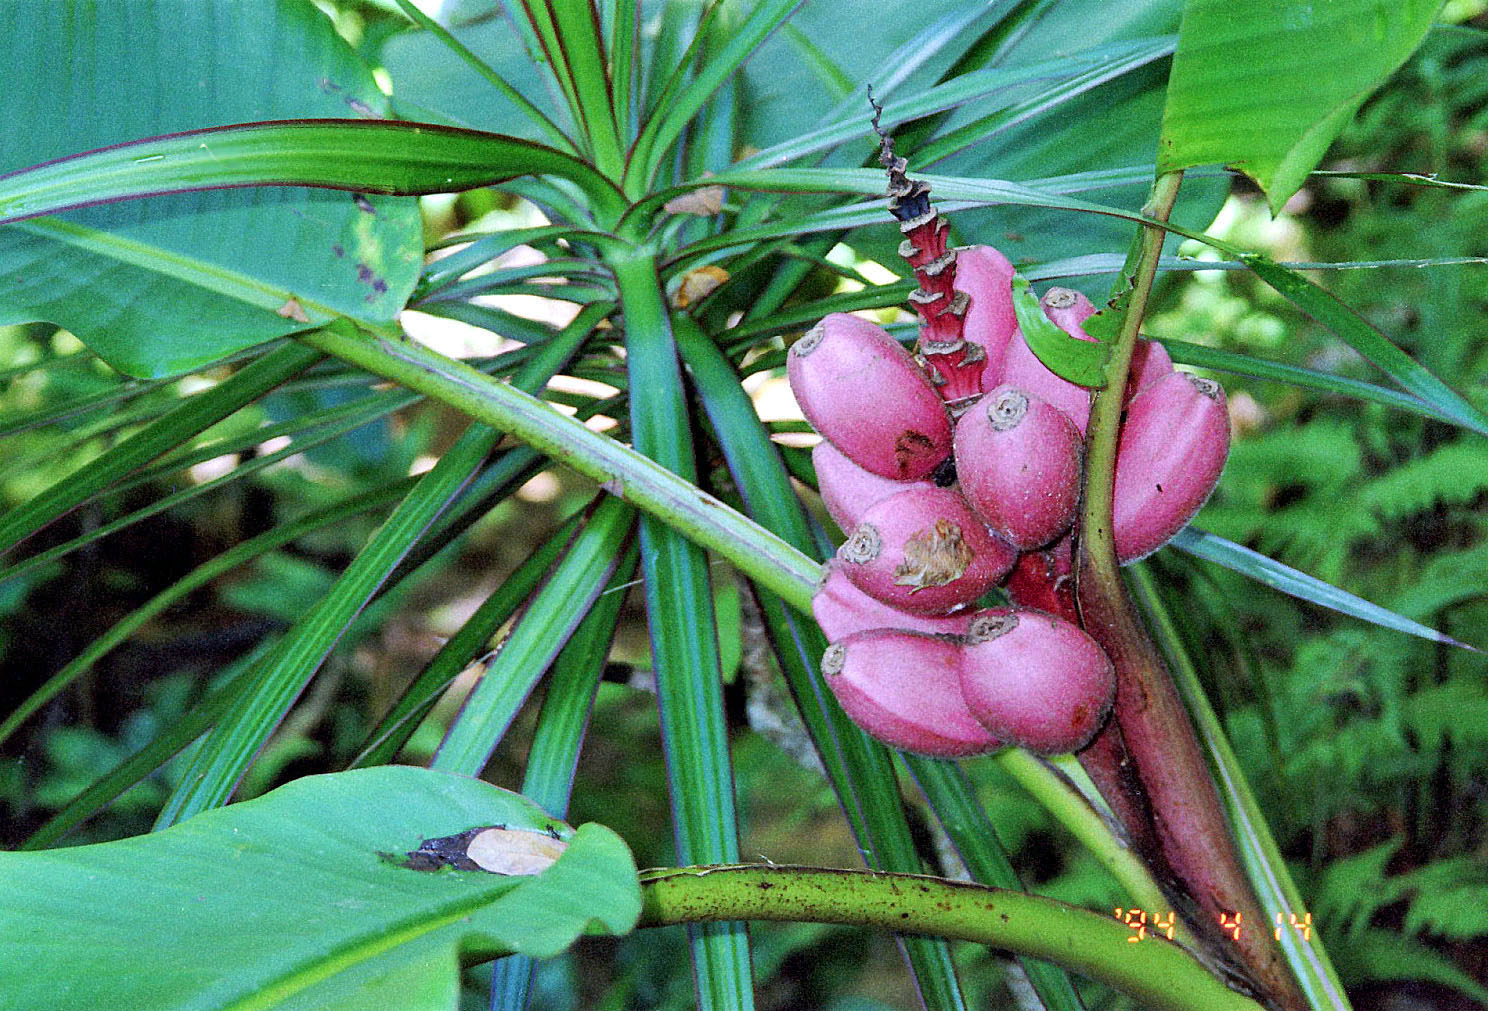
[395, 159]
[1266, 87]
[189, 418]
[684, 637]
[1202, 544]
[1365, 338]
[535, 640]
[395, 728]
[135, 280]
[1081, 362]
[301, 900]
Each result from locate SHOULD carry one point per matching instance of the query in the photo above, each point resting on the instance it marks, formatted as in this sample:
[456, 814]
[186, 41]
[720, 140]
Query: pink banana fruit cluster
[948, 488]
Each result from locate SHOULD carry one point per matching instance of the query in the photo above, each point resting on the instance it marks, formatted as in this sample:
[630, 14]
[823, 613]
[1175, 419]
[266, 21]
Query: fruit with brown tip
[862, 390]
[924, 551]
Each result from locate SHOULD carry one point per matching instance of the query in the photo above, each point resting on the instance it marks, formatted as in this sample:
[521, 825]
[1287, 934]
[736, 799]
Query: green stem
[1160, 974]
[755, 551]
[1187, 822]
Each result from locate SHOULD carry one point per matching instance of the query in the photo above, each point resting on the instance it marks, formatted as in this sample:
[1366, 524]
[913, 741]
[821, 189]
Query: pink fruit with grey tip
[1018, 462]
[841, 609]
[847, 489]
[862, 390]
[1172, 449]
[1068, 309]
[987, 276]
[1035, 680]
[903, 688]
[924, 551]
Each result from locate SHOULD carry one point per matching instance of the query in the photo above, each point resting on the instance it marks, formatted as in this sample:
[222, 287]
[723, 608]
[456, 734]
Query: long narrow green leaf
[953, 799]
[668, 122]
[29, 419]
[225, 755]
[581, 48]
[1264, 864]
[684, 638]
[860, 769]
[536, 639]
[350, 418]
[220, 763]
[676, 25]
[483, 68]
[168, 743]
[366, 156]
[1365, 338]
[1123, 59]
[625, 61]
[394, 729]
[1187, 353]
[1268, 571]
[554, 754]
[191, 417]
[755, 551]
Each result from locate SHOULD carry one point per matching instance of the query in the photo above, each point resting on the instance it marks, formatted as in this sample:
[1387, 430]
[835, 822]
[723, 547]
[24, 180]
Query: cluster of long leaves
[621, 124]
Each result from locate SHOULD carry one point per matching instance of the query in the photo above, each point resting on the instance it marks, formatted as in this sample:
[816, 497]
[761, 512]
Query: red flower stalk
[953, 363]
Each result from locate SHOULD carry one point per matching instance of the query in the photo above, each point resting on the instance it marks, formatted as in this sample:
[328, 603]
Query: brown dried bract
[935, 556]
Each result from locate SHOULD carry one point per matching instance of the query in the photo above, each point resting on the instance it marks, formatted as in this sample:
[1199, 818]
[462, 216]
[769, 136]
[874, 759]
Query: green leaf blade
[293, 889]
[142, 275]
[1266, 87]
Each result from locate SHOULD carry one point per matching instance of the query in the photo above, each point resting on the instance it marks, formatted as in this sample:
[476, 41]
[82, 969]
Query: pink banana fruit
[841, 609]
[924, 551]
[1035, 680]
[1172, 449]
[1018, 462]
[847, 489]
[903, 689]
[862, 390]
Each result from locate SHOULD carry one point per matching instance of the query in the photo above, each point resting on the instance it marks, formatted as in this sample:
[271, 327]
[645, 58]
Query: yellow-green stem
[1160, 974]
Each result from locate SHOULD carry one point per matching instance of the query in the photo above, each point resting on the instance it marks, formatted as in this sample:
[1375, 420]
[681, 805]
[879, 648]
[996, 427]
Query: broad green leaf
[1265, 87]
[301, 900]
[136, 279]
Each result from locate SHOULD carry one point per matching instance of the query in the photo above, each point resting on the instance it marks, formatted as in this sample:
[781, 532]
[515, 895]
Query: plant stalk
[1160, 974]
[1186, 817]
